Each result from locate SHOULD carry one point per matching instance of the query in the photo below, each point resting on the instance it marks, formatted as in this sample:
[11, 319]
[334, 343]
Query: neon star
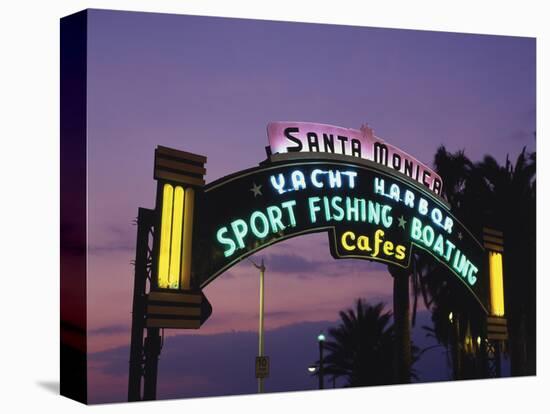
[256, 189]
[402, 222]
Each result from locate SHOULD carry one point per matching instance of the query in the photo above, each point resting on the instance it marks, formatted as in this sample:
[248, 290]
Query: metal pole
[144, 224]
[261, 268]
[456, 346]
[498, 370]
[261, 327]
[152, 352]
[321, 367]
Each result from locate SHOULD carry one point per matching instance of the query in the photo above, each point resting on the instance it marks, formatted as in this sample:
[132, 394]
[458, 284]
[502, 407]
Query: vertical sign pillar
[172, 301]
[178, 174]
[497, 330]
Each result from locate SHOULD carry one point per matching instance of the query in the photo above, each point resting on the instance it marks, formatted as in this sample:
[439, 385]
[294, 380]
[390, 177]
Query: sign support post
[142, 271]
[152, 347]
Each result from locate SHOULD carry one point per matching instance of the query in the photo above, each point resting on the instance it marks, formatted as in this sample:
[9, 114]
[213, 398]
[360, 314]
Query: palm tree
[361, 348]
[431, 281]
[503, 197]
[456, 168]
[456, 319]
[511, 204]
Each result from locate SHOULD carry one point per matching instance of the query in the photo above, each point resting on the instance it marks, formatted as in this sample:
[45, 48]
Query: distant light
[450, 316]
[479, 340]
[321, 337]
[312, 368]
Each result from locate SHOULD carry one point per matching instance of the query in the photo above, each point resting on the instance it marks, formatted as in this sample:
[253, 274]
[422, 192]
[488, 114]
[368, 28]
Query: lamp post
[261, 268]
[312, 369]
[454, 320]
[321, 339]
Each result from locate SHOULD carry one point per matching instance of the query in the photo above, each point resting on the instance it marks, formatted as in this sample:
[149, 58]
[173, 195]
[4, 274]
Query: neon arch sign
[368, 211]
[316, 178]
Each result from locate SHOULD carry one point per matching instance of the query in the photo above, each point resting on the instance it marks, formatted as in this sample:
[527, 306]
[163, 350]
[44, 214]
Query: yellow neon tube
[496, 284]
[165, 232]
[187, 238]
[175, 249]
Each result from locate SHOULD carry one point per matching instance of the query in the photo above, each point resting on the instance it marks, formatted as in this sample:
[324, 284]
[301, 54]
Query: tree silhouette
[503, 197]
[361, 348]
[511, 203]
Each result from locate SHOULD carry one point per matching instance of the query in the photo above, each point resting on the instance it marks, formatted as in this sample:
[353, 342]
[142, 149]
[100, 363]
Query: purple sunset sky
[210, 86]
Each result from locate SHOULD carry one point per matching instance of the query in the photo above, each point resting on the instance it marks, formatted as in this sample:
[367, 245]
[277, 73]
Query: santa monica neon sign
[373, 200]
[307, 137]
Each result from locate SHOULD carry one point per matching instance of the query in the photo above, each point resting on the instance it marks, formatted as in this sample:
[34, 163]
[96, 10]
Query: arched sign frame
[294, 160]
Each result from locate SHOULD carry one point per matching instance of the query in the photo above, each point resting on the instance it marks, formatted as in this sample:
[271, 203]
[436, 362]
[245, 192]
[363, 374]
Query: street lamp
[321, 339]
[312, 369]
[261, 268]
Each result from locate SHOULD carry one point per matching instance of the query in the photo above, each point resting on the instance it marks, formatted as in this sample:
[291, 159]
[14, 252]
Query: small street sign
[262, 367]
